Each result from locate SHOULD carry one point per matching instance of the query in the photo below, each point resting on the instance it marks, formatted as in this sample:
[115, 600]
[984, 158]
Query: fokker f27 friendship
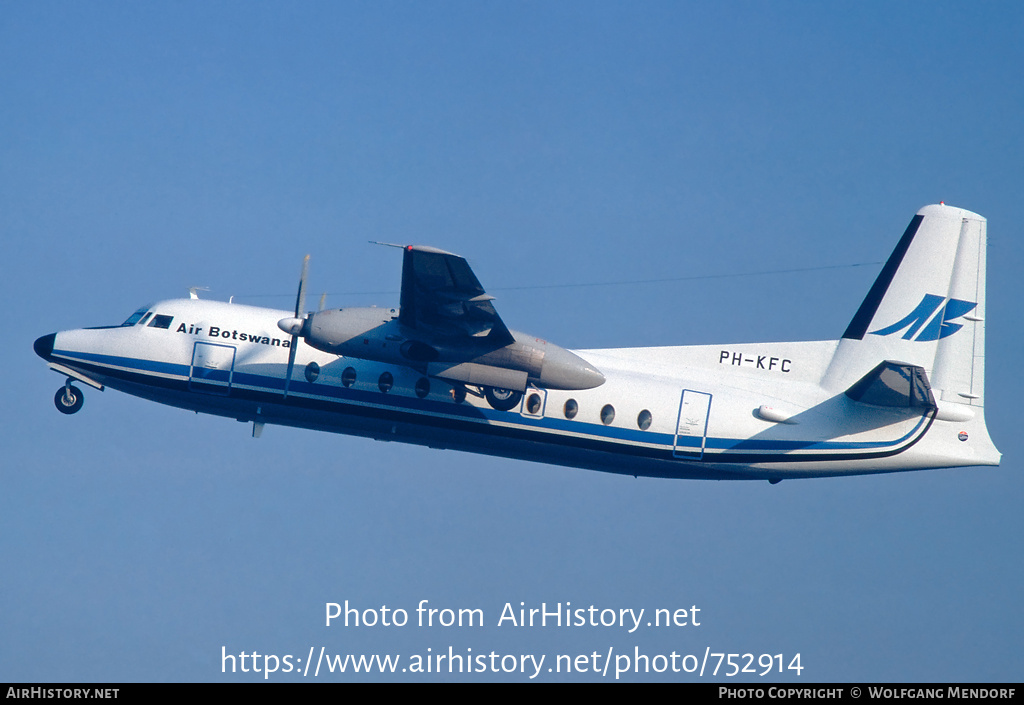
[903, 389]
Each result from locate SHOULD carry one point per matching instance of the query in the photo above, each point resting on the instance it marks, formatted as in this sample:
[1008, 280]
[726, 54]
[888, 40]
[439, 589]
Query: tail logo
[937, 312]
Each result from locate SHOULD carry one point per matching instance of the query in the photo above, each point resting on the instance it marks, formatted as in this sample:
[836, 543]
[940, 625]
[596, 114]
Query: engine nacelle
[376, 334]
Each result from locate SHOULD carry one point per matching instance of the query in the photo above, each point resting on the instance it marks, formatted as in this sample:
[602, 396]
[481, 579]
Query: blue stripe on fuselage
[744, 451]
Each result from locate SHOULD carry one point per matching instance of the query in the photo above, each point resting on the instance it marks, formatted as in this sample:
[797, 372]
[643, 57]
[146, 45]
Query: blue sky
[151, 147]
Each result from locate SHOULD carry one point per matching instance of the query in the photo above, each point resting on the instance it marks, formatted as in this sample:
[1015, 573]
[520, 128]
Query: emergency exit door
[692, 425]
[212, 368]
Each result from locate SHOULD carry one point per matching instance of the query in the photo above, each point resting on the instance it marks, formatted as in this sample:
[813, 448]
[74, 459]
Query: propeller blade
[300, 305]
[291, 364]
[300, 300]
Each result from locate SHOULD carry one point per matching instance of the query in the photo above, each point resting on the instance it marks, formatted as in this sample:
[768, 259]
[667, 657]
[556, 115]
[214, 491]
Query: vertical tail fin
[927, 308]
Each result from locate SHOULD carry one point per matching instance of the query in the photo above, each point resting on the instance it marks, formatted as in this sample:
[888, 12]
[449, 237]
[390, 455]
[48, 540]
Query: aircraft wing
[441, 297]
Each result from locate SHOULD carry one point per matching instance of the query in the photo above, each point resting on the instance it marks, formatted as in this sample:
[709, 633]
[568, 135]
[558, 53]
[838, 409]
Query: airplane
[902, 389]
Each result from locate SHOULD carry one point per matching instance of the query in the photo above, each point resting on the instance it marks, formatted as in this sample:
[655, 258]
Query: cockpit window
[134, 318]
[160, 321]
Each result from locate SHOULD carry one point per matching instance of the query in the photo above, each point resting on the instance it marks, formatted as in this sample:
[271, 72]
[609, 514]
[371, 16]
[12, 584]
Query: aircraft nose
[44, 346]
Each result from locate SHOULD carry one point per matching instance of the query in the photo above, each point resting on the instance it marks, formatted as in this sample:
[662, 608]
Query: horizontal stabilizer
[895, 385]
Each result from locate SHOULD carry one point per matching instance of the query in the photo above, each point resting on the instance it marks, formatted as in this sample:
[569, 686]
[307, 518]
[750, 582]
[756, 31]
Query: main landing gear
[502, 399]
[68, 399]
[498, 398]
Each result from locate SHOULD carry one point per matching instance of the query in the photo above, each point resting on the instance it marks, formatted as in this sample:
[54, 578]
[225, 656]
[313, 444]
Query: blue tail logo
[937, 312]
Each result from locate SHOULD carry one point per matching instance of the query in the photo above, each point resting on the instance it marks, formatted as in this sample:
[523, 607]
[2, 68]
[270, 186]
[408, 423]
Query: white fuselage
[721, 412]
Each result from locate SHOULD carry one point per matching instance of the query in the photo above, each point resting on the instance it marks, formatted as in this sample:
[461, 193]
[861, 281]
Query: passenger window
[644, 420]
[348, 377]
[607, 414]
[385, 382]
[533, 403]
[422, 387]
[312, 372]
[571, 408]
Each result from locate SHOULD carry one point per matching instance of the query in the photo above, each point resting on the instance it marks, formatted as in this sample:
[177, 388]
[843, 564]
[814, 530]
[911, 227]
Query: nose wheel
[68, 399]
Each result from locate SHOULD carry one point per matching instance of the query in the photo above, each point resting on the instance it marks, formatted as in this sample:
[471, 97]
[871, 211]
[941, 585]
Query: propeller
[294, 325]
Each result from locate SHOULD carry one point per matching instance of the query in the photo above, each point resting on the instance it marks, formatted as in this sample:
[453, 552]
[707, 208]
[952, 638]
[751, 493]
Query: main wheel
[68, 399]
[502, 399]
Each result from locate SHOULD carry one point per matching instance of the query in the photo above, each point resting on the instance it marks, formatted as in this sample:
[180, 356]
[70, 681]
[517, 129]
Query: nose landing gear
[68, 399]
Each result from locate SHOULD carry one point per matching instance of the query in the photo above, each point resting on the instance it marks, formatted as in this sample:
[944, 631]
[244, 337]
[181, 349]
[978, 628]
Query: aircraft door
[692, 425]
[212, 368]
